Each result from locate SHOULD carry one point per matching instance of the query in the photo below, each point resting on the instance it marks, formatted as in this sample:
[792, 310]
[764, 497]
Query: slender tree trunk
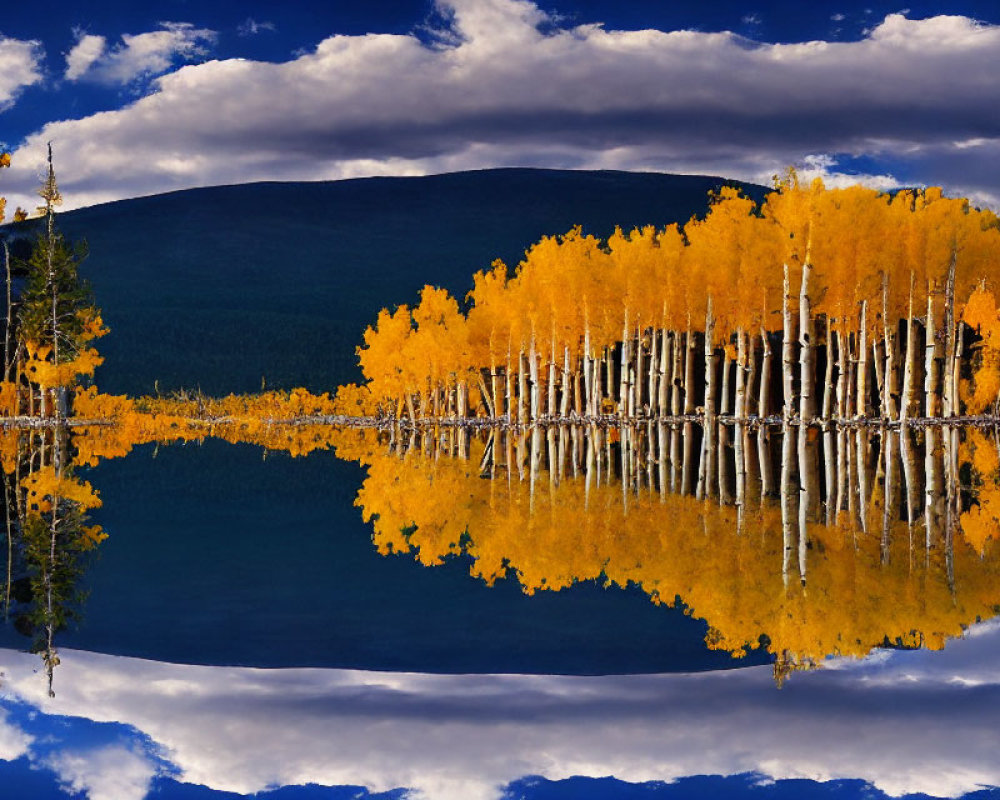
[522, 390]
[763, 411]
[635, 400]
[787, 352]
[890, 388]
[566, 387]
[687, 465]
[932, 399]
[808, 473]
[861, 402]
[706, 467]
[831, 457]
[675, 410]
[623, 370]
[739, 448]
[8, 345]
[723, 436]
[666, 376]
[910, 364]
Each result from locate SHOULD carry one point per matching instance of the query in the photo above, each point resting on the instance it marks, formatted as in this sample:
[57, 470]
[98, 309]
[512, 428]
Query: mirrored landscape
[705, 509]
[791, 636]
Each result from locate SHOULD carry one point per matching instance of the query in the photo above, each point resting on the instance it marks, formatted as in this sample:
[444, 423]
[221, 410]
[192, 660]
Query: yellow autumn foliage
[45, 485]
[556, 534]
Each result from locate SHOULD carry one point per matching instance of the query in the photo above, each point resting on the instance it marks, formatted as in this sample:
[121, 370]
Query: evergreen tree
[54, 301]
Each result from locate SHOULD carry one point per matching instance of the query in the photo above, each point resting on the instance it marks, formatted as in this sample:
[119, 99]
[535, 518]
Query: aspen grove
[818, 305]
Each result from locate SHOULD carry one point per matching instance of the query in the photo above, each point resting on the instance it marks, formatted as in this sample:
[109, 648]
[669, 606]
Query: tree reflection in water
[890, 540]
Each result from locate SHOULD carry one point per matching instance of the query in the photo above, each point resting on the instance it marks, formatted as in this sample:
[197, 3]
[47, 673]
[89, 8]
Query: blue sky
[144, 98]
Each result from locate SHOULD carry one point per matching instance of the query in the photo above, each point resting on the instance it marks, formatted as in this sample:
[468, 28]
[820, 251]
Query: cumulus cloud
[14, 742]
[906, 722]
[88, 49]
[137, 56]
[117, 772]
[20, 66]
[503, 84]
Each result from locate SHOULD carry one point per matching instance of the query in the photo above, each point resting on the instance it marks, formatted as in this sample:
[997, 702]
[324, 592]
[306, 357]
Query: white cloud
[905, 722]
[492, 90]
[14, 742]
[140, 55]
[20, 66]
[251, 27]
[88, 49]
[115, 772]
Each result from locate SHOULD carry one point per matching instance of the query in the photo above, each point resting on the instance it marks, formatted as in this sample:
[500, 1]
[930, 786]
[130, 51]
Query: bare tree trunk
[675, 410]
[566, 386]
[890, 387]
[687, 466]
[652, 387]
[829, 454]
[706, 467]
[950, 399]
[522, 389]
[932, 398]
[635, 397]
[861, 402]
[739, 448]
[878, 359]
[623, 371]
[666, 374]
[862, 440]
[891, 501]
[8, 345]
[723, 432]
[533, 374]
[787, 491]
[763, 411]
[910, 365]
[808, 472]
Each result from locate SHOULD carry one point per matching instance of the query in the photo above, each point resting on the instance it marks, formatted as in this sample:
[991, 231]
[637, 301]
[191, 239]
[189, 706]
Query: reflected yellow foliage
[981, 522]
[724, 570]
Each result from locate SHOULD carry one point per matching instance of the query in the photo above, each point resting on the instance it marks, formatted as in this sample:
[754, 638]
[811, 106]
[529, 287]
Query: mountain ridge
[226, 287]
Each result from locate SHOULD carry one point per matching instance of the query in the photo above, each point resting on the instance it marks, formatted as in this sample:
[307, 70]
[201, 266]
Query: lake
[540, 612]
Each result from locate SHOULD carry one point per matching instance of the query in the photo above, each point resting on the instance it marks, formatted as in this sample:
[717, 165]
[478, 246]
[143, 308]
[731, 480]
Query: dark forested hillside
[220, 287]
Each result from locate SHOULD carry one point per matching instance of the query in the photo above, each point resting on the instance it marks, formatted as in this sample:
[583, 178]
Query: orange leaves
[45, 485]
[46, 373]
[91, 536]
[353, 401]
[981, 313]
[981, 523]
[552, 535]
[93, 324]
[8, 398]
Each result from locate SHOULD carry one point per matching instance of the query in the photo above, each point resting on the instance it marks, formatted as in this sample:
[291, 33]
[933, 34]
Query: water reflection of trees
[48, 535]
[868, 557]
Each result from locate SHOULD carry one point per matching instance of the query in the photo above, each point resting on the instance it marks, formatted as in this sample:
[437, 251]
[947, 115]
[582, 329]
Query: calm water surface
[533, 615]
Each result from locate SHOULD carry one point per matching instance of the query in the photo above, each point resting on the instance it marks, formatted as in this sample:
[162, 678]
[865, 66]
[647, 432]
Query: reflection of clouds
[14, 742]
[108, 773]
[904, 721]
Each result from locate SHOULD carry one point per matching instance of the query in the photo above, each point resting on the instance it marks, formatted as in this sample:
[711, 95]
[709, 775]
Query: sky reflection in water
[902, 721]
